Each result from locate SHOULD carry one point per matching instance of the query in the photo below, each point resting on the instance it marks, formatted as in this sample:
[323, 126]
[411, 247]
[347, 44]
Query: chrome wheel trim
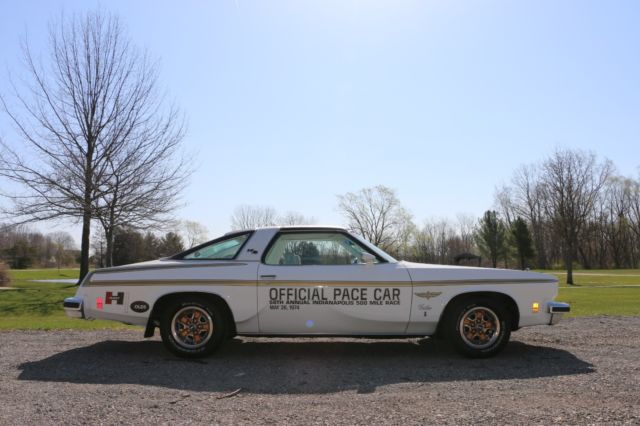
[192, 327]
[479, 327]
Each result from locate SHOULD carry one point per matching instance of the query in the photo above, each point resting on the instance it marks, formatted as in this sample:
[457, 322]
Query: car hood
[445, 273]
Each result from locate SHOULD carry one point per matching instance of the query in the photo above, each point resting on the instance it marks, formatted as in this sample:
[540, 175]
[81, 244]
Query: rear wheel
[192, 327]
[478, 327]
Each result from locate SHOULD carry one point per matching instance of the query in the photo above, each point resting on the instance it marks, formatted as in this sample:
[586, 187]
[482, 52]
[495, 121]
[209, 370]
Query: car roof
[294, 228]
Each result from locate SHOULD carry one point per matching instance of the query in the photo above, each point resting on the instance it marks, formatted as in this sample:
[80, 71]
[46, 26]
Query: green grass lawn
[590, 301]
[39, 305]
[601, 291]
[599, 277]
[32, 305]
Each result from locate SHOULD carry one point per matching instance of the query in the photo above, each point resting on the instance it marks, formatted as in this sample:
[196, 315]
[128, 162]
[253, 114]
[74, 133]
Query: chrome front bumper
[557, 309]
[73, 307]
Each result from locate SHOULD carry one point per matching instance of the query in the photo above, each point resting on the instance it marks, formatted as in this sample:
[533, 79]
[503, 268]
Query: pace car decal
[291, 298]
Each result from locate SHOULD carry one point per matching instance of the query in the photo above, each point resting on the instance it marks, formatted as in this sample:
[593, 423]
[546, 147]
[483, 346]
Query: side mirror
[368, 258]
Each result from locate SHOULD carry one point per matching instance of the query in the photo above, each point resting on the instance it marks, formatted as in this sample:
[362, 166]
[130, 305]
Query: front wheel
[192, 327]
[478, 328]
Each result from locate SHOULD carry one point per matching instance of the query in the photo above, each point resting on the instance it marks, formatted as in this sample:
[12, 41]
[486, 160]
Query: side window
[315, 248]
[220, 250]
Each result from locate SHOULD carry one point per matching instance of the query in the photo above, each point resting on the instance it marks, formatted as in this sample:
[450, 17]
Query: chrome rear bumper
[557, 309]
[73, 307]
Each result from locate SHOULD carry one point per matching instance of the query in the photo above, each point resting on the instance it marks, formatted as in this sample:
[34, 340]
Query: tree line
[21, 247]
[570, 209]
[131, 245]
[579, 209]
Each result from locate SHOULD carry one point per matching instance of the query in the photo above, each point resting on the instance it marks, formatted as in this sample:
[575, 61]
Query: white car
[313, 281]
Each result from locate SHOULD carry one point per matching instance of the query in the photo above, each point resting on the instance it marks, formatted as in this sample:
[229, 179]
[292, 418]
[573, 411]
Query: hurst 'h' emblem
[117, 298]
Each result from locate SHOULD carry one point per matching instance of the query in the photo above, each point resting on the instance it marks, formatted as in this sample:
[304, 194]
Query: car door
[327, 282]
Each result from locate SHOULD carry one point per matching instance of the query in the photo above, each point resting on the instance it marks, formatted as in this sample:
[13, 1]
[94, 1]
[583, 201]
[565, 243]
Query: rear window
[218, 250]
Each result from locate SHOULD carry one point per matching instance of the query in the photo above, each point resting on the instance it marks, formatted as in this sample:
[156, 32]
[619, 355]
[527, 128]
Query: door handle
[267, 277]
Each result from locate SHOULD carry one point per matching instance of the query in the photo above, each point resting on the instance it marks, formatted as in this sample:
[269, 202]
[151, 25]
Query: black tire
[477, 327]
[192, 327]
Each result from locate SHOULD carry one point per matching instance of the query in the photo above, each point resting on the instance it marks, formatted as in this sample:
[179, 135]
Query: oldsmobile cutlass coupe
[313, 281]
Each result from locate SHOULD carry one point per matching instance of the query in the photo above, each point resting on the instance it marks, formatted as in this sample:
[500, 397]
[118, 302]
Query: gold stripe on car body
[135, 283]
[117, 269]
[312, 283]
[487, 281]
[320, 283]
[230, 282]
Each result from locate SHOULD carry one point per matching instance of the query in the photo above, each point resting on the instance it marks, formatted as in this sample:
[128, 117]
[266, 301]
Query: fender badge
[140, 307]
[429, 294]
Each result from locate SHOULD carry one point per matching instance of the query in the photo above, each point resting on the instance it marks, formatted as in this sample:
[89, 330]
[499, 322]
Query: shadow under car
[260, 365]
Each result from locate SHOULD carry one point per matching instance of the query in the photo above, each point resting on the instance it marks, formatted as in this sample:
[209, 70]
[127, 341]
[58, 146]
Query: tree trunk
[108, 233]
[84, 248]
[569, 262]
[87, 213]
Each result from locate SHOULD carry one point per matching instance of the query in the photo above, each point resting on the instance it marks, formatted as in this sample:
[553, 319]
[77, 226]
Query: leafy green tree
[491, 236]
[21, 255]
[151, 246]
[521, 239]
[170, 244]
[128, 247]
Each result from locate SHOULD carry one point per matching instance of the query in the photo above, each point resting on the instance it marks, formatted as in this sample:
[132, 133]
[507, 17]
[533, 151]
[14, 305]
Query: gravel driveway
[582, 371]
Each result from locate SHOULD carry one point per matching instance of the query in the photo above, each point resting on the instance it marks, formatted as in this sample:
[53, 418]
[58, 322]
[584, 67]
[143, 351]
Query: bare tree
[63, 243]
[529, 203]
[77, 117]
[376, 214]
[634, 210]
[504, 201]
[616, 220]
[439, 242]
[295, 218]
[144, 177]
[251, 217]
[466, 225]
[194, 233]
[572, 183]
[98, 246]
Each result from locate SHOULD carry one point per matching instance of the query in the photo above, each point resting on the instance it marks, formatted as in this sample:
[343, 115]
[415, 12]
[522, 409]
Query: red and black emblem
[114, 298]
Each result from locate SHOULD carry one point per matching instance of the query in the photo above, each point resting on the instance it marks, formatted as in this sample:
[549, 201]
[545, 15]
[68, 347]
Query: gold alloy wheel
[192, 327]
[479, 327]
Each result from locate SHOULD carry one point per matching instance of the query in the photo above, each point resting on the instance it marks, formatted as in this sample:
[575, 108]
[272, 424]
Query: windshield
[375, 249]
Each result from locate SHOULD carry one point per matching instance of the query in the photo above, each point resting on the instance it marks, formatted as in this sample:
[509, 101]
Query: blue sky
[292, 102]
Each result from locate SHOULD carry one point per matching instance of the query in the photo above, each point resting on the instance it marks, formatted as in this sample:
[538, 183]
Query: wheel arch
[509, 302]
[162, 301]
